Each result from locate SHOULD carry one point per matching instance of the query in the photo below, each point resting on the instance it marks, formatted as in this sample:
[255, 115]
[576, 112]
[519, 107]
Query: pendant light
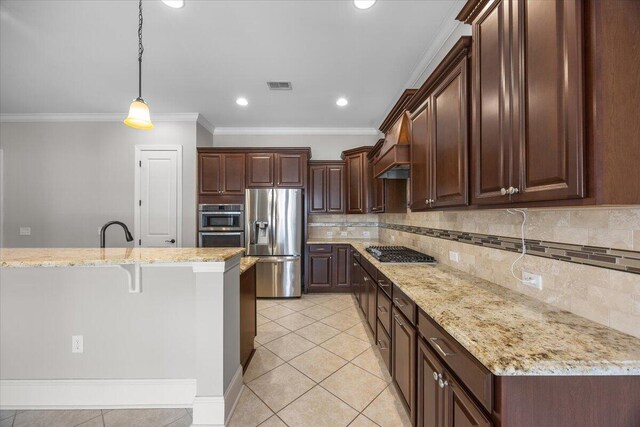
[139, 117]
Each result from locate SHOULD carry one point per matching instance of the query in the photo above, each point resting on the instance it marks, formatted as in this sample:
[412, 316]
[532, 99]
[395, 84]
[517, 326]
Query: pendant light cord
[140, 50]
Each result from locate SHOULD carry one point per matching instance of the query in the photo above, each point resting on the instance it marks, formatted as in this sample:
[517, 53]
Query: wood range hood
[393, 160]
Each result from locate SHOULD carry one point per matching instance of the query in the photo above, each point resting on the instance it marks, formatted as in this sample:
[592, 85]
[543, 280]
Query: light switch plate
[533, 280]
[344, 234]
[366, 234]
[25, 231]
[454, 256]
[329, 233]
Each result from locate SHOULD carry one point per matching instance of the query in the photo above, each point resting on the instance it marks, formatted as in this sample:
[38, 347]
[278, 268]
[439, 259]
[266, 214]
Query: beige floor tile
[54, 418]
[318, 363]
[362, 421]
[352, 311]
[362, 332]
[273, 422]
[289, 346]
[338, 304]
[280, 387]
[387, 410]
[250, 411]
[269, 332]
[185, 421]
[298, 304]
[261, 304]
[276, 312]
[295, 321]
[318, 332]
[354, 385]
[340, 321]
[318, 408]
[97, 422]
[372, 362]
[261, 320]
[142, 417]
[4, 414]
[318, 312]
[345, 346]
[262, 362]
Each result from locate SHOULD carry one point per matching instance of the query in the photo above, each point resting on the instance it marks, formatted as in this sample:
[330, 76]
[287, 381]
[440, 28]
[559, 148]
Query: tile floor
[315, 365]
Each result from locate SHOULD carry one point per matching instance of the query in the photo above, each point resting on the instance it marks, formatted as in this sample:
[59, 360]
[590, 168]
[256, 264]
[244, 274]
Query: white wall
[65, 180]
[323, 147]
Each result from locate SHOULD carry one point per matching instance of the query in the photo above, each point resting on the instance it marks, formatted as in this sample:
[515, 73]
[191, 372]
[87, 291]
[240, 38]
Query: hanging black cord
[140, 50]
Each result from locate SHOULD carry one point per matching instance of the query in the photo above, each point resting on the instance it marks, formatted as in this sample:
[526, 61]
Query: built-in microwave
[221, 217]
[221, 239]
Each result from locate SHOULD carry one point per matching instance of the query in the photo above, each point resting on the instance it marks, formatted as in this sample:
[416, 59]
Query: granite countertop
[68, 257]
[247, 262]
[508, 332]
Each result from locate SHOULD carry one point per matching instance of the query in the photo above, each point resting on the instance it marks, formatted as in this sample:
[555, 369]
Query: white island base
[172, 342]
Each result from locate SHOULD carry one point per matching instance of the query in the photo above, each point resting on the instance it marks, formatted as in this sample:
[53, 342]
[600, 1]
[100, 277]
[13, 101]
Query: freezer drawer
[278, 277]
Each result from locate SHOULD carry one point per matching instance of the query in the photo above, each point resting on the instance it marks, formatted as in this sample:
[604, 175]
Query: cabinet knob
[435, 376]
[504, 191]
[442, 383]
[513, 190]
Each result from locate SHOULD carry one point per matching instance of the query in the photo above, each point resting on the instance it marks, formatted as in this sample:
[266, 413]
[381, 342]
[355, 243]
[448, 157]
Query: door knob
[170, 241]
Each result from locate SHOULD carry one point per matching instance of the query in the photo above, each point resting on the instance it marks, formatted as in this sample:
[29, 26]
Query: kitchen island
[121, 327]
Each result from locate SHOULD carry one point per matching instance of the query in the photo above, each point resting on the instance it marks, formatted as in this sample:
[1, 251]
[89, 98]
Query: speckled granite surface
[247, 262]
[508, 332]
[68, 257]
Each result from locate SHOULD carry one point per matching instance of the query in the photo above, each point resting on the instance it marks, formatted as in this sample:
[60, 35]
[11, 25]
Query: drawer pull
[400, 302]
[383, 283]
[382, 309]
[382, 345]
[442, 383]
[436, 376]
[434, 341]
[395, 316]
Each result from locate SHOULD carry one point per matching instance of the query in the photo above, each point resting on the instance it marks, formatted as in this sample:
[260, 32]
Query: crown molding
[295, 131]
[99, 117]
[205, 123]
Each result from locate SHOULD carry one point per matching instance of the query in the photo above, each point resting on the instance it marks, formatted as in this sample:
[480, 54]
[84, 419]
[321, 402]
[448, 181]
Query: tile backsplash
[604, 295]
[352, 226]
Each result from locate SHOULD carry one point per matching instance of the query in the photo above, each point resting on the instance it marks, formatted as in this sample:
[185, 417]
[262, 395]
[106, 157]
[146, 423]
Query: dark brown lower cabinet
[459, 408]
[430, 396]
[372, 306]
[327, 268]
[354, 276]
[403, 360]
[248, 318]
[341, 268]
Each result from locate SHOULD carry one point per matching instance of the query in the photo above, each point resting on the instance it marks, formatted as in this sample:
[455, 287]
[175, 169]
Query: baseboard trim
[232, 394]
[105, 394]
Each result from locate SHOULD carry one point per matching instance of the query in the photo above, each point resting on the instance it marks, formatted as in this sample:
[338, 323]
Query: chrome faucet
[127, 233]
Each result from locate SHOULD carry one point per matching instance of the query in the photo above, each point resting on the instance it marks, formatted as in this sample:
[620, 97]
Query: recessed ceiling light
[341, 102]
[176, 4]
[364, 4]
[242, 101]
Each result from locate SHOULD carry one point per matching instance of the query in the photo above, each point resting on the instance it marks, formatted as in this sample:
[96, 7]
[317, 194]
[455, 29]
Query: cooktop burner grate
[398, 254]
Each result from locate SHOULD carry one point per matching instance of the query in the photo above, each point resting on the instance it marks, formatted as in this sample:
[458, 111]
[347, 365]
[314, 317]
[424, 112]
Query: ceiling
[81, 57]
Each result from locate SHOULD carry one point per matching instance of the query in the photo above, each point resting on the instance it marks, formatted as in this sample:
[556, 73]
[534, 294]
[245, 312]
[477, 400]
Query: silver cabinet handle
[395, 316]
[382, 309]
[442, 383]
[434, 341]
[382, 345]
[399, 302]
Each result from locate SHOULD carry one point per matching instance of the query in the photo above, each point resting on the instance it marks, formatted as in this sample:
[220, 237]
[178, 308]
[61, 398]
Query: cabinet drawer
[384, 284]
[356, 254]
[373, 272]
[405, 305]
[320, 248]
[384, 311]
[472, 373]
[384, 345]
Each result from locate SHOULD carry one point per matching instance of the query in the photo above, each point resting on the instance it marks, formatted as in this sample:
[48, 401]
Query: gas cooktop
[398, 254]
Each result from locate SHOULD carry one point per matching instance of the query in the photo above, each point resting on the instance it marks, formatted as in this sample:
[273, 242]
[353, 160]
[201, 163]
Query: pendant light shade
[139, 117]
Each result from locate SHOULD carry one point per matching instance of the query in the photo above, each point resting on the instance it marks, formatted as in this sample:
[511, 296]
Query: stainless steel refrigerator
[274, 223]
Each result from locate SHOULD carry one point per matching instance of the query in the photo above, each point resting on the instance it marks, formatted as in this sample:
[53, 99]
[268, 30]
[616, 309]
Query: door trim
[136, 207]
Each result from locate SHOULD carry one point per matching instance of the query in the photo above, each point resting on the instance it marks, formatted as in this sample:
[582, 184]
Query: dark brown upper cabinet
[358, 182]
[260, 170]
[221, 174]
[326, 187]
[387, 195]
[529, 120]
[440, 135]
[291, 169]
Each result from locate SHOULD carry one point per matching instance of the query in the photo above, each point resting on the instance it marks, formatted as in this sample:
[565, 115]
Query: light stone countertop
[69, 257]
[247, 262]
[508, 332]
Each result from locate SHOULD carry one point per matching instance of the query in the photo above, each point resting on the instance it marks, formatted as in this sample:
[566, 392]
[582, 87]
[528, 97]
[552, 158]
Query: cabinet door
[491, 140]
[377, 194]
[372, 305]
[290, 170]
[450, 139]
[260, 169]
[210, 173]
[234, 174]
[430, 403]
[364, 287]
[354, 277]
[459, 409]
[317, 189]
[548, 107]
[341, 267]
[421, 135]
[356, 201]
[404, 360]
[319, 271]
[335, 189]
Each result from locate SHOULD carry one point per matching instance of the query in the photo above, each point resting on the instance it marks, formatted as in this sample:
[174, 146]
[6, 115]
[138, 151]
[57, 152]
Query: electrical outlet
[344, 234]
[25, 231]
[533, 280]
[366, 234]
[329, 233]
[454, 256]
[77, 344]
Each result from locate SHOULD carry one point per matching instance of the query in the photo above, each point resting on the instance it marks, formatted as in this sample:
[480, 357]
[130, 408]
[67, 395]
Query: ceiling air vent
[279, 85]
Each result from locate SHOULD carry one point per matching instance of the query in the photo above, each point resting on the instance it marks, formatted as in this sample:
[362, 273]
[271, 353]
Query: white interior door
[158, 204]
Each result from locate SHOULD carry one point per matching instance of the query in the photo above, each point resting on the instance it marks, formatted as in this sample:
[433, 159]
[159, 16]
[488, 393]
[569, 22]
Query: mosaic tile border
[343, 224]
[614, 259]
